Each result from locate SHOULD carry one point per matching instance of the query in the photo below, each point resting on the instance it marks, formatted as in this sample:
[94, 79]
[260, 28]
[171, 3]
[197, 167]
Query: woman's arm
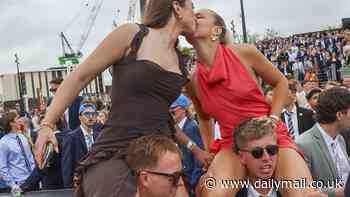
[206, 125]
[111, 50]
[268, 72]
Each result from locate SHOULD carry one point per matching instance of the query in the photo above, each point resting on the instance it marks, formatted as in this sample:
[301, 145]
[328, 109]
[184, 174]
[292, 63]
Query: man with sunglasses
[78, 142]
[191, 165]
[323, 146]
[156, 163]
[256, 145]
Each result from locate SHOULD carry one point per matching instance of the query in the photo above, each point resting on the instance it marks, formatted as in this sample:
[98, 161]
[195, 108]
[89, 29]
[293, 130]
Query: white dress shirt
[294, 116]
[344, 160]
[253, 193]
[88, 136]
[181, 124]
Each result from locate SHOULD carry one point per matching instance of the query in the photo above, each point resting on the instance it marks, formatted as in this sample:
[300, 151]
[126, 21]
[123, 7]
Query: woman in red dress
[225, 87]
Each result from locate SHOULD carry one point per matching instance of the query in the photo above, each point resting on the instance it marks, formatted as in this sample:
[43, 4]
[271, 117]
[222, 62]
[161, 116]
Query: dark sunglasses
[90, 114]
[53, 89]
[258, 152]
[175, 177]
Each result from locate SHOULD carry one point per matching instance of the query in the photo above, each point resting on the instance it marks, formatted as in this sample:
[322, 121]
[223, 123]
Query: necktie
[290, 124]
[89, 141]
[23, 153]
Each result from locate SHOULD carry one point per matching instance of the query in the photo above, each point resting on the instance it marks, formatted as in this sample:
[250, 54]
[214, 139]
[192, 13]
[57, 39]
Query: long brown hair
[158, 12]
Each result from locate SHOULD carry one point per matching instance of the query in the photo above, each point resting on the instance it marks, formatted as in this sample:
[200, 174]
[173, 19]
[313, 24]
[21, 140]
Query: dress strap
[137, 40]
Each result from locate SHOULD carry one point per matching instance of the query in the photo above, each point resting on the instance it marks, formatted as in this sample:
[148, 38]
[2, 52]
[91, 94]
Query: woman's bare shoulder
[127, 30]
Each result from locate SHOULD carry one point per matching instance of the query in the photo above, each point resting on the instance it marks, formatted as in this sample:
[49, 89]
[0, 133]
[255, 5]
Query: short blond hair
[144, 152]
[252, 129]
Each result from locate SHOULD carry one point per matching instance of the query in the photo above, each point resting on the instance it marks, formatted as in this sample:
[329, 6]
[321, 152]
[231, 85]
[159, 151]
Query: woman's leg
[291, 166]
[225, 166]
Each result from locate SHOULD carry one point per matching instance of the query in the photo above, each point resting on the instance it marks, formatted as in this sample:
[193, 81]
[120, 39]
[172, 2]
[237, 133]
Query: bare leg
[291, 166]
[225, 166]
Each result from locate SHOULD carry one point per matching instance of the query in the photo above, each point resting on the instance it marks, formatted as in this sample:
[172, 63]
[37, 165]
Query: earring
[214, 38]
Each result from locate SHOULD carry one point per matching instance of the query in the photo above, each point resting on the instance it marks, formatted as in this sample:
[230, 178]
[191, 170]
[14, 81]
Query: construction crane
[132, 11]
[72, 56]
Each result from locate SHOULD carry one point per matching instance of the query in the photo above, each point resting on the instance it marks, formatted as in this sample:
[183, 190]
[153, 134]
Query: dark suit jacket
[73, 149]
[73, 114]
[305, 119]
[244, 193]
[52, 177]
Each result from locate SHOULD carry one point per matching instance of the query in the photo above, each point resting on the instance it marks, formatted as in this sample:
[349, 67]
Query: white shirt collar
[85, 132]
[294, 109]
[327, 138]
[182, 123]
[253, 193]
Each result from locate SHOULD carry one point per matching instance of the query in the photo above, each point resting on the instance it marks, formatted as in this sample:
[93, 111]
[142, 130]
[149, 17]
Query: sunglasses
[175, 177]
[53, 89]
[90, 114]
[258, 152]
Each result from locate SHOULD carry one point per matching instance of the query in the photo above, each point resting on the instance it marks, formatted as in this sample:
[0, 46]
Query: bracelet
[48, 125]
[190, 145]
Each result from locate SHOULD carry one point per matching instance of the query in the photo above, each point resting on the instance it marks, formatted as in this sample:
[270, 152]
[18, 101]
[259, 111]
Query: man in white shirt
[256, 144]
[323, 146]
[297, 119]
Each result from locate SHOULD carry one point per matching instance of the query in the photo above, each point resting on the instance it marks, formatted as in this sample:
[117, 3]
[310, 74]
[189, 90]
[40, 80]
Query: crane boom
[90, 23]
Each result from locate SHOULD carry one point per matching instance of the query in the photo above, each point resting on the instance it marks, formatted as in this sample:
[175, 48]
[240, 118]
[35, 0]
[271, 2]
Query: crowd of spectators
[311, 56]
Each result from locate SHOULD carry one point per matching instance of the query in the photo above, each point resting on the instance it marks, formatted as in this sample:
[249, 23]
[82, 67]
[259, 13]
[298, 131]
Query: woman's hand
[45, 136]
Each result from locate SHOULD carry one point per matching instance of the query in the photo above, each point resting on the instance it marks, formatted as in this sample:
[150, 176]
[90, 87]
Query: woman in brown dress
[147, 77]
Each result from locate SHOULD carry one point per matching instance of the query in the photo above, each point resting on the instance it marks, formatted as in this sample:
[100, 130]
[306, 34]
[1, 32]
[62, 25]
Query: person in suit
[77, 143]
[255, 142]
[285, 68]
[192, 167]
[297, 119]
[323, 146]
[70, 120]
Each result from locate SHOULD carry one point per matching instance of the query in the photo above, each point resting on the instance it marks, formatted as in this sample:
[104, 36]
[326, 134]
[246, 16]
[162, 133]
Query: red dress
[229, 94]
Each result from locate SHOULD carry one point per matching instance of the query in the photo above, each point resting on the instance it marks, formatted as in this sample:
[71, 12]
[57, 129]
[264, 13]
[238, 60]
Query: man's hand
[203, 156]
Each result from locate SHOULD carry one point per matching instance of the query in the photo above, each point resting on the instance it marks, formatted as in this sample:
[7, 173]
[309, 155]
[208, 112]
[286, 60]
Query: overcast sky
[31, 27]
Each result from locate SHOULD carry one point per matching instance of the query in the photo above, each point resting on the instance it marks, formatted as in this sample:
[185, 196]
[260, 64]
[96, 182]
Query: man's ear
[339, 115]
[144, 179]
[241, 158]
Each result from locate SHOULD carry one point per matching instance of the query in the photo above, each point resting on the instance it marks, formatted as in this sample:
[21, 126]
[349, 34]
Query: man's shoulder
[307, 137]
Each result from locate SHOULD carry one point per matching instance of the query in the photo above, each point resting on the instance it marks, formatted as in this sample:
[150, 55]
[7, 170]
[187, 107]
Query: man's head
[333, 108]
[54, 85]
[256, 144]
[88, 115]
[156, 160]
[309, 85]
[292, 94]
[312, 97]
[10, 122]
[179, 107]
[268, 94]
